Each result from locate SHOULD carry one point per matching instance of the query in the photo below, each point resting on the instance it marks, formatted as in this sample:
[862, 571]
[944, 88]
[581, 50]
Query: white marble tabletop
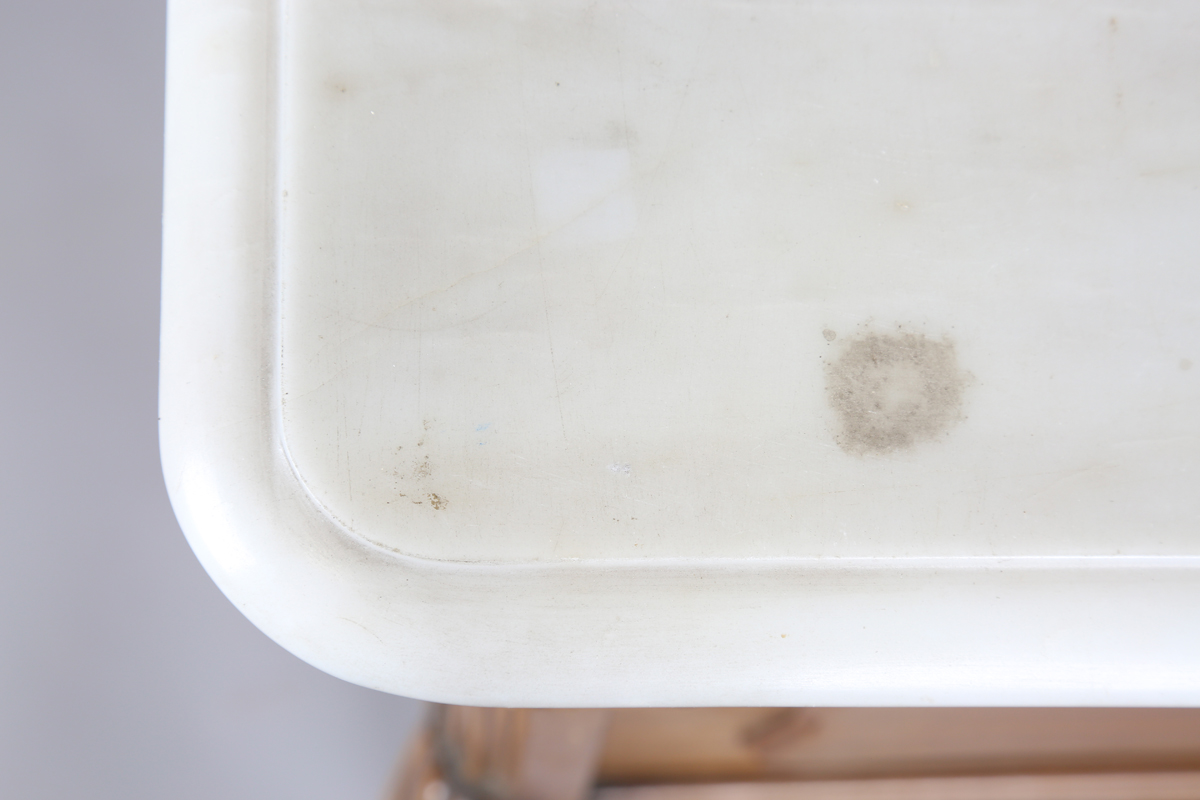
[701, 353]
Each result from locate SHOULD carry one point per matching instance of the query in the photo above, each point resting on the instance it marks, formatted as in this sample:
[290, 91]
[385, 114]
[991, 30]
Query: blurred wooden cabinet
[807, 754]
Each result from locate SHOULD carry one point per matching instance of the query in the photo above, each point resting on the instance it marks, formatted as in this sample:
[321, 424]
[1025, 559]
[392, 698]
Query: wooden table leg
[504, 754]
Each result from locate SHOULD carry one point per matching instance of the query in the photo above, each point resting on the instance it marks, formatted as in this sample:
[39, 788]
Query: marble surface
[855, 311]
[589, 281]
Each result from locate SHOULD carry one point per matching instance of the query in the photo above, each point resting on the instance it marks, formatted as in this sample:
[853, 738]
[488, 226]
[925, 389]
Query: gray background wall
[124, 672]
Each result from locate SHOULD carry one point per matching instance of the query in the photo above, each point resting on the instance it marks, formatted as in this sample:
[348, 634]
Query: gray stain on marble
[893, 391]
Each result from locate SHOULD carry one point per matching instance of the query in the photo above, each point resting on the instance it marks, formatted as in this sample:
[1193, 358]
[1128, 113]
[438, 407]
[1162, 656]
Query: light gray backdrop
[124, 673]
